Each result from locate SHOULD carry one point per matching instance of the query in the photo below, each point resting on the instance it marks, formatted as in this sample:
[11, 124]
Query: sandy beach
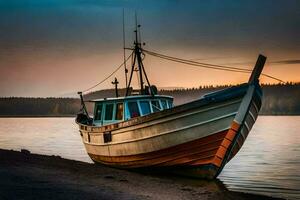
[31, 176]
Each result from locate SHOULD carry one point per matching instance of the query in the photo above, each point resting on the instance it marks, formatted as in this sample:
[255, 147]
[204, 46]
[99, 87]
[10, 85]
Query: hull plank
[170, 132]
[178, 155]
[163, 141]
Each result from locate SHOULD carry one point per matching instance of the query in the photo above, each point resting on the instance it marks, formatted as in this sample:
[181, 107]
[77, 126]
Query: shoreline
[33, 176]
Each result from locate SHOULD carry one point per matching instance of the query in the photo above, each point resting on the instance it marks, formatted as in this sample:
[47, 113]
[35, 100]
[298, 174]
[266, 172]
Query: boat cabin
[114, 110]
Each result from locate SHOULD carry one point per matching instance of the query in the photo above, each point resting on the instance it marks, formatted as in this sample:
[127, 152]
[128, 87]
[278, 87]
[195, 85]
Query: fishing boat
[146, 131]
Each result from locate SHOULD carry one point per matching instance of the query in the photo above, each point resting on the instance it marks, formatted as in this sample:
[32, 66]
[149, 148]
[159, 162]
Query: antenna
[137, 59]
[124, 52]
[139, 30]
[136, 30]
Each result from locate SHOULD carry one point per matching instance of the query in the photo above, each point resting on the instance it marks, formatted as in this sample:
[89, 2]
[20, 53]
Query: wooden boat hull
[197, 138]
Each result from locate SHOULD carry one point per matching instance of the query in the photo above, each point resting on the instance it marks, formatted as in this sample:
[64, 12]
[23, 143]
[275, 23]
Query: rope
[183, 61]
[272, 77]
[206, 65]
[119, 67]
[198, 65]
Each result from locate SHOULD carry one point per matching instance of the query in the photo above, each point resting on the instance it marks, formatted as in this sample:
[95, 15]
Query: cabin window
[109, 111]
[155, 106]
[119, 111]
[133, 109]
[98, 112]
[164, 104]
[145, 107]
[170, 104]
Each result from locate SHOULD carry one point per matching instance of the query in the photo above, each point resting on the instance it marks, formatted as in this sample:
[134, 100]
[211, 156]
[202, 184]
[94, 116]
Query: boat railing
[160, 109]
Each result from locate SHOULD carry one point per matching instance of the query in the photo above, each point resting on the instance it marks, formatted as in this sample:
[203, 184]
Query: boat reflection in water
[146, 131]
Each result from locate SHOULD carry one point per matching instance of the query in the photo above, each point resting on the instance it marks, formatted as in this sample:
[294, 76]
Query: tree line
[278, 99]
[21, 106]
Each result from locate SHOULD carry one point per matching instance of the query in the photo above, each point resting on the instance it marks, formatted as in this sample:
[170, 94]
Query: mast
[137, 59]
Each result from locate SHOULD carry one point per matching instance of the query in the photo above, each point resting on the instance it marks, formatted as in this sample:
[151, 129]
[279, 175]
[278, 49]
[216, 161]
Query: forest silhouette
[278, 99]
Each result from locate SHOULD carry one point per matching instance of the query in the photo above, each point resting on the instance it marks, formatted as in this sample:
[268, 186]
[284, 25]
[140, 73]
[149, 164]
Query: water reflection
[49, 136]
[269, 161]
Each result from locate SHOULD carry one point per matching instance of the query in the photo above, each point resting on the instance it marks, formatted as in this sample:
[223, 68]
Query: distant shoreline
[281, 99]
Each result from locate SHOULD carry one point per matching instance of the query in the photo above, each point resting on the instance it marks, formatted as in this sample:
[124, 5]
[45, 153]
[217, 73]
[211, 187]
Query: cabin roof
[132, 98]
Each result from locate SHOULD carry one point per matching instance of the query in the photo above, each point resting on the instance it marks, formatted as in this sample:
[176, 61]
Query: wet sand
[30, 176]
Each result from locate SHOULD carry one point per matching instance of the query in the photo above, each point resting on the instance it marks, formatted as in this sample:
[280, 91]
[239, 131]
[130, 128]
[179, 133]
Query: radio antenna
[124, 52]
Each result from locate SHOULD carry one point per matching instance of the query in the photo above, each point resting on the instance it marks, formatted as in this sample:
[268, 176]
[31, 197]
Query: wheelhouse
[114, 110]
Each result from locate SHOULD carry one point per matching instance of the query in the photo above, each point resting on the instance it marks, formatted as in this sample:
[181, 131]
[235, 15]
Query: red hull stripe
[197, 152]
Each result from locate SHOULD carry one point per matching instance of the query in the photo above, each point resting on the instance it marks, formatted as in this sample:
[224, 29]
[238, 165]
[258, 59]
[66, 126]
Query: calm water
[268, 163]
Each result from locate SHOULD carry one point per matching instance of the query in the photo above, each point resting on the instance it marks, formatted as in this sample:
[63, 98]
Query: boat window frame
[95, 109]
[128, 111]
[170, 103]
[151, 105]
[161, 104]
[113, 112]
[126, 114]
[140, 107]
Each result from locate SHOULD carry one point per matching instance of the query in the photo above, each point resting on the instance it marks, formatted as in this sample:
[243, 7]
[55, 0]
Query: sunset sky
[58, 47]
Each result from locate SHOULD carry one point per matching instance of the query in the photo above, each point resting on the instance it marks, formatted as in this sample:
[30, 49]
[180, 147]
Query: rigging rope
[119, 67]
[206, 65]
[183, 61]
